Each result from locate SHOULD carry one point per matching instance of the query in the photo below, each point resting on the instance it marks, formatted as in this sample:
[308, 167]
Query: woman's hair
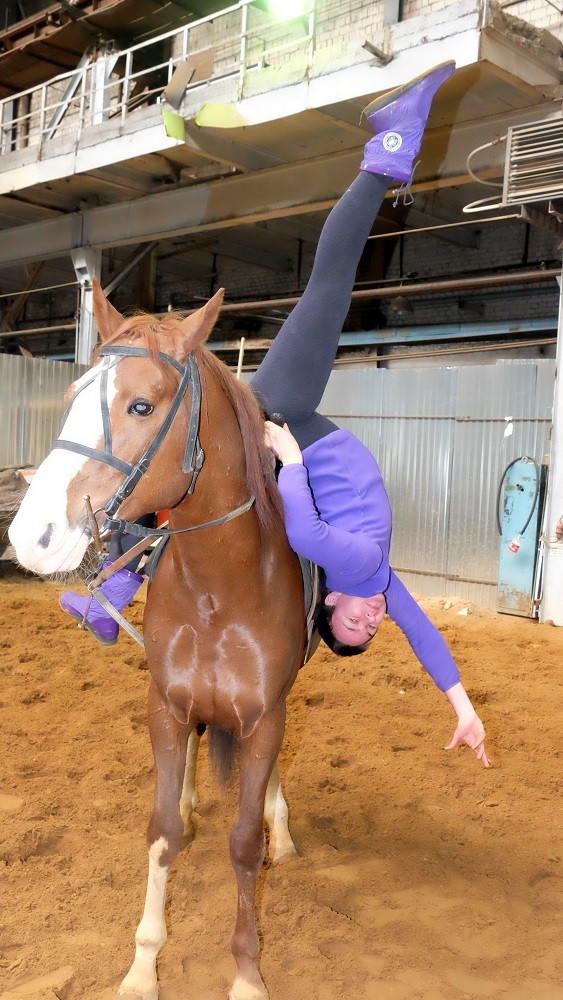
[323, 627]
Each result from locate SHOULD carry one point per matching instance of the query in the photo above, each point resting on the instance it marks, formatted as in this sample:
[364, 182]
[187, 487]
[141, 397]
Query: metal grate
[534, 163]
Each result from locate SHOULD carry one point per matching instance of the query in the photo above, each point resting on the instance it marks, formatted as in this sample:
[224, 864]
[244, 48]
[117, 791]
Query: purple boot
[398, 120]
[119, 590]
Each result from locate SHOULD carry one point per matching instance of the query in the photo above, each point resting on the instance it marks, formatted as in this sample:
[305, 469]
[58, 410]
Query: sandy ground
[420, 877]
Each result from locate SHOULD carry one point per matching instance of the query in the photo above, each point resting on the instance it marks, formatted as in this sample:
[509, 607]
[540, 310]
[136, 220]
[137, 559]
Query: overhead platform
[179, 180]
[290, 151]
[53, 39]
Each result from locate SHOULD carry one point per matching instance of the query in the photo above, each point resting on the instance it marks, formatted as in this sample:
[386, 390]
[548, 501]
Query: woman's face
[355, 620]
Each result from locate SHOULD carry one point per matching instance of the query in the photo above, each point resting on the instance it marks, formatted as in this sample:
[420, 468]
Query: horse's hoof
[242, 989]
[188, 835]
[134, 994]
[132, 988]
[283, 855]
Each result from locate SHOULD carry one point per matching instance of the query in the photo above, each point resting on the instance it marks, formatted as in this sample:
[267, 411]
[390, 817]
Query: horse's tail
[223, 748]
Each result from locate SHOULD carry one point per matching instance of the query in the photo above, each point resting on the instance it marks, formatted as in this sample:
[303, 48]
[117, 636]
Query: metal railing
[108, 87]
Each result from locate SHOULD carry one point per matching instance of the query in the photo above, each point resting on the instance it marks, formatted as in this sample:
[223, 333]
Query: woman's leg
[293, 375]
[119, 590]
[121, 542]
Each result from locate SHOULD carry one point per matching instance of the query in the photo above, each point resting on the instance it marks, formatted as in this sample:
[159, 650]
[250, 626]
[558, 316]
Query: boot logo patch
[392, 141]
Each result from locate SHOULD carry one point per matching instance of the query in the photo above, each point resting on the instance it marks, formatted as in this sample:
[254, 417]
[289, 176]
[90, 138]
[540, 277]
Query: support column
[146, 287]
[87, 265]
[551, 608]
[101, 85]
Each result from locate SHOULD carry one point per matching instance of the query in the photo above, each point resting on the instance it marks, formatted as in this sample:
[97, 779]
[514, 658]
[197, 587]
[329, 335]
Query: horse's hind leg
[188, 799]
[164, 838]
[258, 755]
[281, 847]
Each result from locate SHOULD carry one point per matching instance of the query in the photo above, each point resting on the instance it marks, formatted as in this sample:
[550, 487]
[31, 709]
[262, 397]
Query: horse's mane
[156, 333]
[259, 470]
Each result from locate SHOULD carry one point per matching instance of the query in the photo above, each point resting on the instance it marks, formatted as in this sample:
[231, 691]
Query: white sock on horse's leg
[141, 980]
[276, 814]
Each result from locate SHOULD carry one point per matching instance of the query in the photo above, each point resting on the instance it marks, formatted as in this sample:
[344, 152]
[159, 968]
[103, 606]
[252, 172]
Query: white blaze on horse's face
[44, 540]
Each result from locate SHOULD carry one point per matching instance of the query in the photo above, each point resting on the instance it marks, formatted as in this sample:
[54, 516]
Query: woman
[336, 506]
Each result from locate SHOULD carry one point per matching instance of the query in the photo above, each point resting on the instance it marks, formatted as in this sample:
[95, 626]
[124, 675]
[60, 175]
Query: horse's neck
[220, 489]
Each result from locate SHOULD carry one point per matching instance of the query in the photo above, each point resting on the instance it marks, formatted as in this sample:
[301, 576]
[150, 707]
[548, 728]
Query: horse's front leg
[164, 838]
[258, 755]
[281, 847]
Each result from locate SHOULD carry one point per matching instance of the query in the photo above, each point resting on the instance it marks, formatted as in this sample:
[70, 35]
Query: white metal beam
[87, 265]
[551, 608]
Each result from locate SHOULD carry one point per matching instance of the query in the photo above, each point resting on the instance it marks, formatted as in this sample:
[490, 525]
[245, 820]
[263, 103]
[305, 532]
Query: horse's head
[115, 412]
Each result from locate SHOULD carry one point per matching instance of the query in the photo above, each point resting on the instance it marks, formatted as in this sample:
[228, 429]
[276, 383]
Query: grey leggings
[293, 375]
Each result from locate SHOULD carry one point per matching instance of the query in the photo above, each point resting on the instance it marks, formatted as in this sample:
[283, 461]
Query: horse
[159, 423]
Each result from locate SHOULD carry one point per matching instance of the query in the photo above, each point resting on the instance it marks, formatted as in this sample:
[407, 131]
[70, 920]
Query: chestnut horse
[224, 623]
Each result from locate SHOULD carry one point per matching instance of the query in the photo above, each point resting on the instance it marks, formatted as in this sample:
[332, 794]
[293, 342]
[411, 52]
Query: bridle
[193, 455]
[193, 461]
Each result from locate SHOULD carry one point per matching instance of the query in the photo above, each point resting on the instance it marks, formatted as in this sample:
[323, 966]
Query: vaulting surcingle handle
[277, 418]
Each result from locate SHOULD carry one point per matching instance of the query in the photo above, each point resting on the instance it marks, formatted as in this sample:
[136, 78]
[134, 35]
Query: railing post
[126, 85]
[101, 97]
[41, 115]
[243, 50]
[5, 143]
[82, 102]
[312, 33]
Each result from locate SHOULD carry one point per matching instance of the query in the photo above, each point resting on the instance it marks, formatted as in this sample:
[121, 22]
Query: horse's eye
[140, 408]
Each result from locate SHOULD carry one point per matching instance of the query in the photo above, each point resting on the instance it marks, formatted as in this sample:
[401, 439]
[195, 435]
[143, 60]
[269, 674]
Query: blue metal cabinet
[522, 494]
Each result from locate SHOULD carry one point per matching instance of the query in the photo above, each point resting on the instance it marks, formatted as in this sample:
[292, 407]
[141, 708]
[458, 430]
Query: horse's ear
[198, 325]
[108, 319]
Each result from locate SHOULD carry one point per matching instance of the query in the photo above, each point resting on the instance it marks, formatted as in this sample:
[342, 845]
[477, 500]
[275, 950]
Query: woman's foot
[398, 120]
[119, 590]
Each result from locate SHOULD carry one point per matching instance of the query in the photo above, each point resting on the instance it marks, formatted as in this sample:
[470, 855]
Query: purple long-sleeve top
[337, 514]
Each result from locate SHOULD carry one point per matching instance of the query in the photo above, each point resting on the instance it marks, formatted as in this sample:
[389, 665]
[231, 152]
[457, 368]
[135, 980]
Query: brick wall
[499, 245]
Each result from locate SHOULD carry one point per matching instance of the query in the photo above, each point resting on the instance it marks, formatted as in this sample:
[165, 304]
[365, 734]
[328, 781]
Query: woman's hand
[280, 440]
[469, 727]
[472, 732]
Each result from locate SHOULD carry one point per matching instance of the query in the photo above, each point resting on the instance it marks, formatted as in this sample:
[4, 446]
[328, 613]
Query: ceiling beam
[286, 190]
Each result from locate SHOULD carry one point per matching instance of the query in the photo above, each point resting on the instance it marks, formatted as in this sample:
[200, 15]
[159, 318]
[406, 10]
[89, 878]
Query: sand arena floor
[421, 876]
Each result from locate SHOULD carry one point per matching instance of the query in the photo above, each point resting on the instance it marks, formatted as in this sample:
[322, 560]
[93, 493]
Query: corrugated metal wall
[439, 437]
[31, 405]
[437, 433]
